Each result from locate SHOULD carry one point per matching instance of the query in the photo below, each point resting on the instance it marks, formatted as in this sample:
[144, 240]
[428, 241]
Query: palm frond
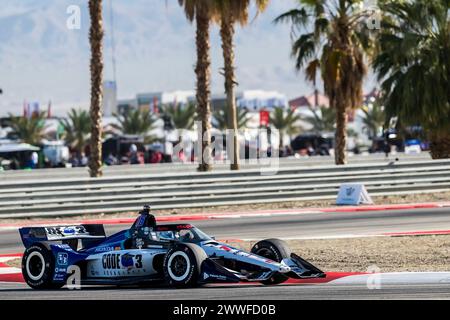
[135, 122]
[29, 129]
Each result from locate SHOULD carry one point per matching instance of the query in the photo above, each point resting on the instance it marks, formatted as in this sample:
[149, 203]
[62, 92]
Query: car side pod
[302, 269]
[212, 272]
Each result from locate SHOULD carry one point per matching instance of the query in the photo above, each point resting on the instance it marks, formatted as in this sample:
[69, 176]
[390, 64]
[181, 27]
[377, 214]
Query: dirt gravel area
[389, 254]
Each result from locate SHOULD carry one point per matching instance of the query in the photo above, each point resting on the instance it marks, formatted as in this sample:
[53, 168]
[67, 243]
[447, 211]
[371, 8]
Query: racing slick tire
[276, 250]
[38, 266]
[182, 265]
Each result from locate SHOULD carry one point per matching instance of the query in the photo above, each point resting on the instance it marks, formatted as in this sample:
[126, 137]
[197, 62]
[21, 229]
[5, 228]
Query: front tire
[38, 267]
[276, 250]
[182, 265]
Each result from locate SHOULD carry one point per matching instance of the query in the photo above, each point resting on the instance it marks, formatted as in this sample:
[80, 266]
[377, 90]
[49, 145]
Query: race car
[177, 255]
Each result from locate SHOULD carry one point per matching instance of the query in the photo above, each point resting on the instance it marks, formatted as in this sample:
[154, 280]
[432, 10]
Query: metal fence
[183, 188]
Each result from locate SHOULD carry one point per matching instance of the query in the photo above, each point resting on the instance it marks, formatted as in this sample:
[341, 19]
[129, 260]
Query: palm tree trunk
[341, 134]
[96, 38]
[281, 142]
[227, 34]
[203, 72]
[440, 146]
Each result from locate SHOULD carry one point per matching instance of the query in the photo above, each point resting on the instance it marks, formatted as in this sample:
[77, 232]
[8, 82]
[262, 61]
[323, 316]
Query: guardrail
[177, 189]
[124, 170]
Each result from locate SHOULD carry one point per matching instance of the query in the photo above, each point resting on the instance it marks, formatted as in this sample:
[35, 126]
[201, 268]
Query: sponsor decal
[225, 248]
[127, 260]
[117, 261]
[349, 191]
[214, 276]
[103, 249]
[111, 261]
[184, 226]
[62, 246]
[154, 246]
[62, 259]
[56, 232]
[141, 221]
[240, 253]
[94, 272]
[69, 230]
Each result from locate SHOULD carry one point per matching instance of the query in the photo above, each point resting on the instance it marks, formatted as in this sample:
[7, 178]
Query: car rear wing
[30, 235]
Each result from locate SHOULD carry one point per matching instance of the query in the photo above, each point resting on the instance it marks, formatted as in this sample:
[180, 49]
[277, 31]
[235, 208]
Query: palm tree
[135, 122]
[96, 67]
[322, 120]
[77, 129]
[29, 130]
[201, 11]
[332, 40]
[228, 13]
[182, 116]
[222, 120]
[284, 122]
[374, 118]
[413, 62]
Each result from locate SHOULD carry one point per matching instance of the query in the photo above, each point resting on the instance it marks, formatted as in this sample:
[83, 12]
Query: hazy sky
[41, 59]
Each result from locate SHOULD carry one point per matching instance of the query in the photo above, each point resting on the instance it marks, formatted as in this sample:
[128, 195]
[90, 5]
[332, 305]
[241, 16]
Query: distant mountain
[42, 60]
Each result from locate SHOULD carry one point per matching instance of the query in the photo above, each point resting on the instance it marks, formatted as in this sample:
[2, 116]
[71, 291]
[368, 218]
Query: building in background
[109, 98]
[125, 105]
[154, 101]
[253, 100]
[313, 100]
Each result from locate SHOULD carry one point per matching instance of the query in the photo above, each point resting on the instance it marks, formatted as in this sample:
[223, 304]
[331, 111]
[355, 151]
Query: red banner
[264, 118]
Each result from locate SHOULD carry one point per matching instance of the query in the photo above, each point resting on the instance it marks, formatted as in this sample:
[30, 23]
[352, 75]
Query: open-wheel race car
[179, 255]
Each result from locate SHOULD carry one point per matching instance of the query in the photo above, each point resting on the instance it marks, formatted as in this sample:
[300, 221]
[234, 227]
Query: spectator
[15, 164]
[47, 163]
[156, 157]
[310, 150]
[34, 160]
[73, 160]
[134, 157]
[324, 149]
[168, 151]
[83, 160]
[111, 160]
[288, 151]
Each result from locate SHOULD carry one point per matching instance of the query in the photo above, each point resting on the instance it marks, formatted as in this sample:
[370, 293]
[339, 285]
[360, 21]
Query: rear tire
[182, 265]
[276, 250]
[38, 266]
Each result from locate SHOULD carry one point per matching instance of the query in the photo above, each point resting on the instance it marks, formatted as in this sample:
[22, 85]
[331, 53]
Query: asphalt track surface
[305, 225]
[9, 291]
[289, 226]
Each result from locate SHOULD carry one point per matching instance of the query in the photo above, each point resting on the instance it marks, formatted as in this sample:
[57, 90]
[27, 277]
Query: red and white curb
[396, 278]
[230, 215]
[12, 274]
[7, 273]
[372, 280]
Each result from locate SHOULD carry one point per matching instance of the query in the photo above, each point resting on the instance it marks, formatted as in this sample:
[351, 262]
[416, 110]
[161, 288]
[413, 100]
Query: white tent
[17, 147]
